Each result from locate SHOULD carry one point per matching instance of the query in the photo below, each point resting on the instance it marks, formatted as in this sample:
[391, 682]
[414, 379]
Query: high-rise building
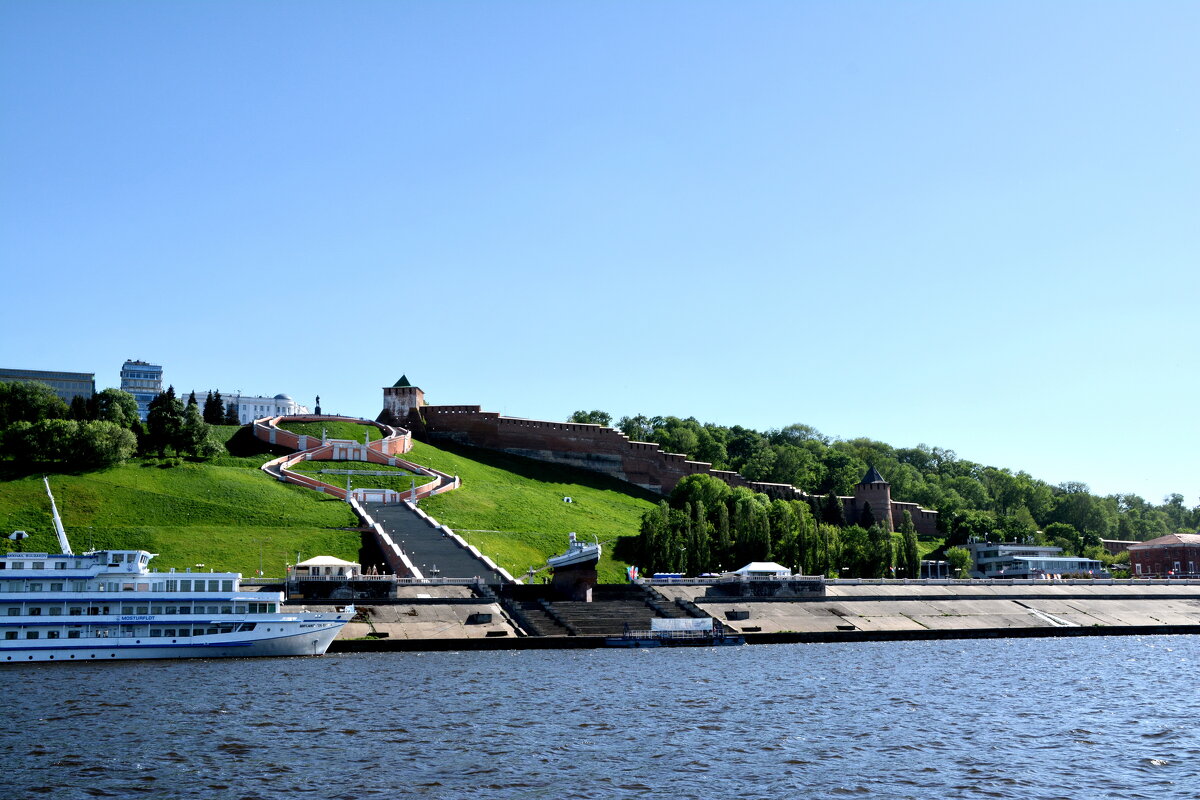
[143, 381]
[65, 384]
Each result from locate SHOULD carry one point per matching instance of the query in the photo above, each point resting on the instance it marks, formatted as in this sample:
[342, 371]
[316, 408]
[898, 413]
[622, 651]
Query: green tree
[867, 518]
[832, 512]
[193, 432]
[118, 407]
[231, 414]
[908, 539]
[723, 546]
[79, 408]
[29, 402]
[857, 557]
[596, 417]
[214, 408]
[959, 559]
[164, 421]
[882, 557]
[101, 443]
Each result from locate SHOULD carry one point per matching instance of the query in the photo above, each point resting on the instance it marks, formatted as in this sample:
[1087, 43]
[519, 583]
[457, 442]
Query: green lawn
[219, 514]
[222, 513]
[397, 478]
[333, 429]
[512, 508]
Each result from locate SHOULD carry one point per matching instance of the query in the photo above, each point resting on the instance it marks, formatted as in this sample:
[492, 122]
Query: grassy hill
[512, 508]
[334, 430]
[222, 513]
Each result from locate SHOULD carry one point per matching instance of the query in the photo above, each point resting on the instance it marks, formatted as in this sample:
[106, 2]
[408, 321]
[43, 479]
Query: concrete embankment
[447, 618]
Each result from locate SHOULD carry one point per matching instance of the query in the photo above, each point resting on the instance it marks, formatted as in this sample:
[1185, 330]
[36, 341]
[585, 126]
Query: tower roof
[402, 382]
[873, 476]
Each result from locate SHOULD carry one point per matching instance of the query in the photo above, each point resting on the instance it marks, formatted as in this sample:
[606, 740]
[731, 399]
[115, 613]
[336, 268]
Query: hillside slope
[512, 508]
[226, 512]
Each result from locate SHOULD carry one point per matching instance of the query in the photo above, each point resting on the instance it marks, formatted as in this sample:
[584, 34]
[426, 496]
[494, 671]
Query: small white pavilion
[325, 567]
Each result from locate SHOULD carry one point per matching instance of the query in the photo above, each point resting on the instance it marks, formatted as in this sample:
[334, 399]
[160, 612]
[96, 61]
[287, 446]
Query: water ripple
[1037, 719]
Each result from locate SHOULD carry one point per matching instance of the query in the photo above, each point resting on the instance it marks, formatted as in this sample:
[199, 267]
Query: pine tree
[79, 408]
[912, 558]
[879, 559]
[191, 401]
[164, 421]
[832, 511]
[724, 544]
[193, 432]
[231, 414]
[214, 409]
[867, 518]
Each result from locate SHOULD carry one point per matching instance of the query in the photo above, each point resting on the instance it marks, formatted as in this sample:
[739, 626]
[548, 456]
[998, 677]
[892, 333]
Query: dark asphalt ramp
[427, 547]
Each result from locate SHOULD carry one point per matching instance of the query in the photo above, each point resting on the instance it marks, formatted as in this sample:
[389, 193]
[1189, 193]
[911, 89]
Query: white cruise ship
[107, 604]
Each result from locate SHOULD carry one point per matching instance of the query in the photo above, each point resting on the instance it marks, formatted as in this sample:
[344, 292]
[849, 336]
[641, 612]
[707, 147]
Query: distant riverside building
[1173, 555]
[1015, 560]
[143, 380]
[66, 385]
[252, 408]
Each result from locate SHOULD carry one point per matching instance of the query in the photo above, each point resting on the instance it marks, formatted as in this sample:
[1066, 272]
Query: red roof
[1169, 539]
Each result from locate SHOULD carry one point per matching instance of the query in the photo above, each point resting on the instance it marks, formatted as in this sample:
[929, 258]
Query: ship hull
[305, 643]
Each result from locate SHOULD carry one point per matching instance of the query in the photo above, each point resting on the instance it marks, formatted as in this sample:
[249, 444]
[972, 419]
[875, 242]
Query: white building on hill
[252, 408]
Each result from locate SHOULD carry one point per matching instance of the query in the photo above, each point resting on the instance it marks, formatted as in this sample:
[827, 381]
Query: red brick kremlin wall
[644, 464]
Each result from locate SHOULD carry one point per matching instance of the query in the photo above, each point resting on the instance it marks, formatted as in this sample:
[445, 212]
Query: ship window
[227, 586]
[226, 609]
[31, 634]
[185, 586]
[60, 565]
[247, 626]
[213, 610]
[212, 631]
[18, 565]
[214, 586]
[78, 586]
[239, 609]
[168, 609]
[38, 565]
[185, 632]
[3, 565]
[143, 609]
[35, 612]
[126, 587]
[35, 587]
[168, 632]
[156, 609]
[72, 634]
[75, 611]
[126, 609]
[14, 612]
[172, 586]
[56, 587]
[10, 634]
[54, 611]
[52, 634]
[156, 633]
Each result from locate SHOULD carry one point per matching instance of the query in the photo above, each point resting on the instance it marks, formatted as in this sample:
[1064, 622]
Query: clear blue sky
[973, 225]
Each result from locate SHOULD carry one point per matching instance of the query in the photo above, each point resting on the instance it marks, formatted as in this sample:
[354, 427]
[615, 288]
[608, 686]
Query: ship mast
[63, 544]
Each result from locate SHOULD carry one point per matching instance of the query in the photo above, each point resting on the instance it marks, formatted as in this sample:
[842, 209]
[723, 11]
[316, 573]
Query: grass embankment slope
[220, 513]
[512, 508]
[396, 478]
[334, 429]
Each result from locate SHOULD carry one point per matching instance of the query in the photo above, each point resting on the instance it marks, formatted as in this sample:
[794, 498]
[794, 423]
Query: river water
[1034, 718]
